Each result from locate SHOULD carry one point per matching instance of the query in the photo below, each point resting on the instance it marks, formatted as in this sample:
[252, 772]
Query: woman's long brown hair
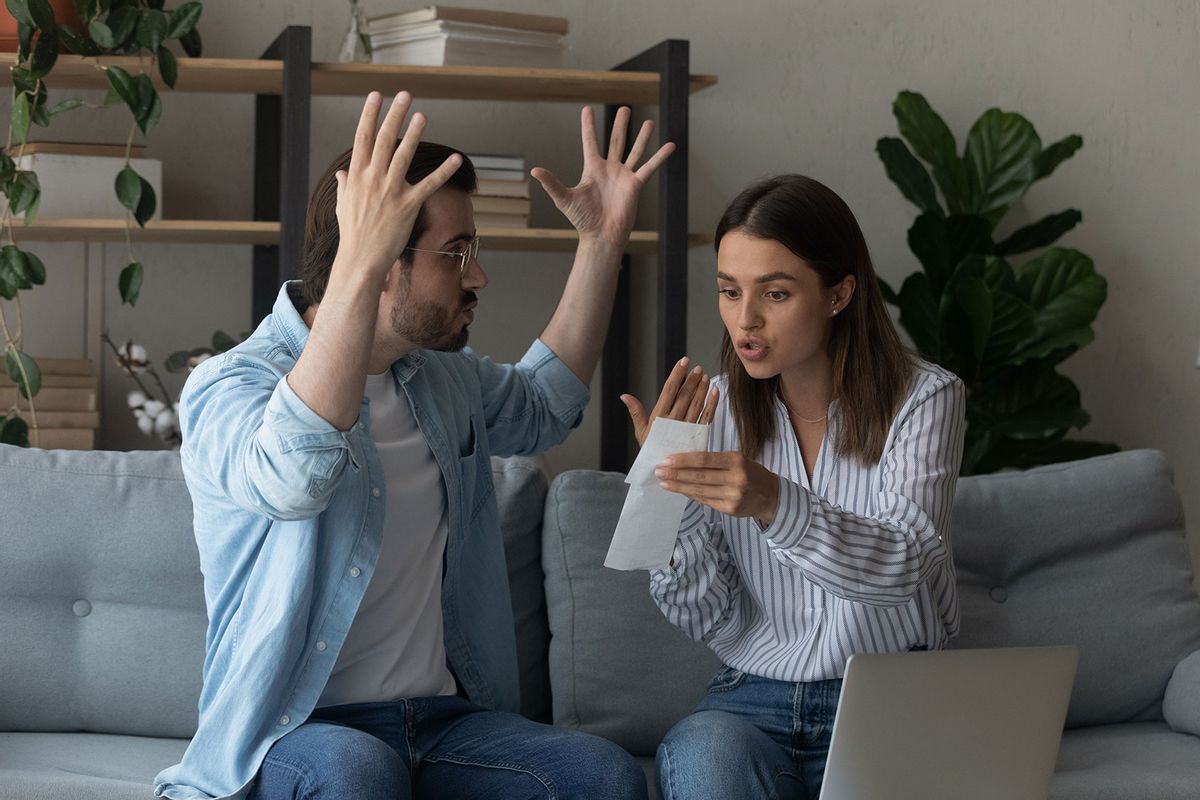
[872, 369]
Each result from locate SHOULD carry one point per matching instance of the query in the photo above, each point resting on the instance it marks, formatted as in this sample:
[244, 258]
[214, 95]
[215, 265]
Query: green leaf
[930, 137]
[150, 104]
[999, 275]
[38, 112]
[42, 13]
[21, 13]
[13, 272]
[15, 360]
[184, 19]
[123, 23]
[1012, 323]
[919, 315]
[941, 243]
[146, 205]
[8, 167]
[20, 118]
[1033, 403]
[37, 270]
[1049, 159]
[14, 431]
[86, 9]
[45, 53]
[76, 42]
[24, 40]
[111, 98]
[125, 87]
[1064, 290]
[129, 188]
[24, 192]
[167, 67]
[1001, 155]
[101, 34]
[177, 361]
[889, 294]
[976, 303]
[130, 282]
[222, 341]
[192, 44]
[1052, 349]
[1042, 233]
[908, 174]
[151, 29]
[66, 105]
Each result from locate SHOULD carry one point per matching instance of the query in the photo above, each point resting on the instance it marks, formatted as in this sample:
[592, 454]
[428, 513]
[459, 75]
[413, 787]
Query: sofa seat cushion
[54, 766]
[1134, 761]
[1091, 553]
[618, 669]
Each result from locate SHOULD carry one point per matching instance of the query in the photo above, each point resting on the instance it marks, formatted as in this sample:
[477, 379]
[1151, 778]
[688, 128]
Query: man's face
[433, 301]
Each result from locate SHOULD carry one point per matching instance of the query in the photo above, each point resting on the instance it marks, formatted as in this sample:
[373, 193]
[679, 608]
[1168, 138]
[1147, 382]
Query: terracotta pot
[64, 14]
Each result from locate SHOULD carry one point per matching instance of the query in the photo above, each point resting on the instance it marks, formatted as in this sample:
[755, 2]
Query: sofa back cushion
[1091, 553]
[102, 608]
[102, 614]
[618, 669]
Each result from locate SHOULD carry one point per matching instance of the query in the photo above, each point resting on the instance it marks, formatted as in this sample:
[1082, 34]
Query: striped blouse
[857, 562]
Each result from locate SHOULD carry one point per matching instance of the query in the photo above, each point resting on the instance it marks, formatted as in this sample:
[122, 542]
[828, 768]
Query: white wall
[806, 87]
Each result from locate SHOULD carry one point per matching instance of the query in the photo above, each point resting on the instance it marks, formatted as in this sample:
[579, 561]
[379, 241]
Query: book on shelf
[63, 439]
[476, 16]
[488, 219]
[80, 184]
[50, 399]
[63, 419]
[72, 367]
[57, 381]
[500, 205]
[490, 161]
[490, 187]
[511, 175]
[441, 42]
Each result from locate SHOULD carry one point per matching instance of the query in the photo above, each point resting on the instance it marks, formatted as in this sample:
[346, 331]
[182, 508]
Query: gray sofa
[102, 617]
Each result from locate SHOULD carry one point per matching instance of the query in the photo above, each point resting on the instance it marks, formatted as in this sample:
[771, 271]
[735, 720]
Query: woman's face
[773, 305]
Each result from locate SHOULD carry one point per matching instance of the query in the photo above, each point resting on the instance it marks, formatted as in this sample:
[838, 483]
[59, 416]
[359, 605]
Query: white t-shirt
[395, 648]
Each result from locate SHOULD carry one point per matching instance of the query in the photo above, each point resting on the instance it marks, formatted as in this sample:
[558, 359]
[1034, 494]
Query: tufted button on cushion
[81, 608]
[999, 594]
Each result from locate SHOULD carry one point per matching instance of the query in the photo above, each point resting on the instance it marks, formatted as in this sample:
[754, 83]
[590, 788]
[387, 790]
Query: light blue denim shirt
[288, 515]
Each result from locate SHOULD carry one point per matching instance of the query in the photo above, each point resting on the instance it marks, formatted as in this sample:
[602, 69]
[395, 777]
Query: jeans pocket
[727, 679]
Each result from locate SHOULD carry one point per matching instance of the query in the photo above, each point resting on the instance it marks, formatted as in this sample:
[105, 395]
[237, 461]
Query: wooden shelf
[241, 232]
[262, 76]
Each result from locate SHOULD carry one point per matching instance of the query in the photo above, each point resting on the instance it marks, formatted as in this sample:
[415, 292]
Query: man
[360, 641]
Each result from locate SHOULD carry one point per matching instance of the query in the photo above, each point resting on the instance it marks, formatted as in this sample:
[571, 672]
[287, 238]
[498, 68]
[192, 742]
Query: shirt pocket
[726, 680]
[475, 475]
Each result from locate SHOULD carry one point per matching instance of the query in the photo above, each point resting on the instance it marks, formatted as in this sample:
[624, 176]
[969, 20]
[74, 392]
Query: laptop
[950, 725]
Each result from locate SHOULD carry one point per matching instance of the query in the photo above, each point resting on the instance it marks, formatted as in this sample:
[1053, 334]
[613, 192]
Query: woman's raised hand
[685, 396]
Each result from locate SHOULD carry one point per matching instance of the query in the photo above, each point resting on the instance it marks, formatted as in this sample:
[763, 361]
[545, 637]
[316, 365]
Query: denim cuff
[566, 395]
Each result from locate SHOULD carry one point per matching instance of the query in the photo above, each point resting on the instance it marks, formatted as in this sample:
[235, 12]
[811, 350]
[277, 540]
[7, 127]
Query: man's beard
[430, 326]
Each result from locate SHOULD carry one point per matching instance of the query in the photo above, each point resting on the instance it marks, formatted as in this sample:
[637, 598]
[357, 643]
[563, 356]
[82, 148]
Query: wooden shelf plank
[262, 76]
[244, 232]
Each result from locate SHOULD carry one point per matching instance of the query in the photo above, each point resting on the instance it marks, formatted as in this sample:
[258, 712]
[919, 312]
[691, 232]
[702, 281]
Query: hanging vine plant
[137, 28]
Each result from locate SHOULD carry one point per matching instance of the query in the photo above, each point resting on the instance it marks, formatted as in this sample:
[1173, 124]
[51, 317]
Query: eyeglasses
[472, 251]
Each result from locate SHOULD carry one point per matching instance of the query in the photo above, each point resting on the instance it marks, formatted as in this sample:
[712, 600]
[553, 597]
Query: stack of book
[501, 199]
[66, 406]
[444, 35]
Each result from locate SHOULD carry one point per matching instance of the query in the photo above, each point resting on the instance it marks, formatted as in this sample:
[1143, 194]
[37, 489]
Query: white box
[86, 186]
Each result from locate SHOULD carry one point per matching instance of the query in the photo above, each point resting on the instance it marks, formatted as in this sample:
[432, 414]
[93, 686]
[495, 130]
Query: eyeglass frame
[472, 251]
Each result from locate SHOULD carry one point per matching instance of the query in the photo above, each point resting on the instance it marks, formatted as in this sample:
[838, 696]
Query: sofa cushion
[1090, 553]
[51, 766]
[1181, 704]
[102, 613]
[618, 669]
[521, 496]
[1134, 761]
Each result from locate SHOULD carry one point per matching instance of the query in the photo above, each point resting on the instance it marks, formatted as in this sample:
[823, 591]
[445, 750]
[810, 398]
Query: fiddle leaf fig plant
[1002, 315]
[140, 28]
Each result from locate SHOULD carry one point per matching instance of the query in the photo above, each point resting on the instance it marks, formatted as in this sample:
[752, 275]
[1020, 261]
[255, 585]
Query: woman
[818, 523]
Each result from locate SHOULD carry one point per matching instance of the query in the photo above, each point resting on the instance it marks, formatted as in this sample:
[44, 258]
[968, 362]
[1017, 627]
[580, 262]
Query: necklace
[796, 414]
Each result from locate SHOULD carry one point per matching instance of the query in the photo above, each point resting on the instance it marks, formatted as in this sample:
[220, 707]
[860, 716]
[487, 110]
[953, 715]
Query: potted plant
[1002, 315]
[142, 28]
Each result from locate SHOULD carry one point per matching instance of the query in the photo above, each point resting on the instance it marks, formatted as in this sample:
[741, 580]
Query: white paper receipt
[649, 524]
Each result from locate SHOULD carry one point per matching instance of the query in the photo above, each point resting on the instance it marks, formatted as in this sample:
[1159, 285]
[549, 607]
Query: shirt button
[321, 646]
[285, 719]
[375, 492]
[355, 572]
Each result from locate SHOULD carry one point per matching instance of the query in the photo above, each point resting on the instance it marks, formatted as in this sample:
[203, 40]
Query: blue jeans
[441, 747]
[750, 738]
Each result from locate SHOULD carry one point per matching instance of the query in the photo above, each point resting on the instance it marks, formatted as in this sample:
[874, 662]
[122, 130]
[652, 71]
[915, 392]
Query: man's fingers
[710, 406]
[389, 132]
[437, 179]
[587, 131]
[639, 145]
[403, 155]
[553, 186]
[656, 160]
[616, 142]
[364, 135]
[666, 397]
[695, 408]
